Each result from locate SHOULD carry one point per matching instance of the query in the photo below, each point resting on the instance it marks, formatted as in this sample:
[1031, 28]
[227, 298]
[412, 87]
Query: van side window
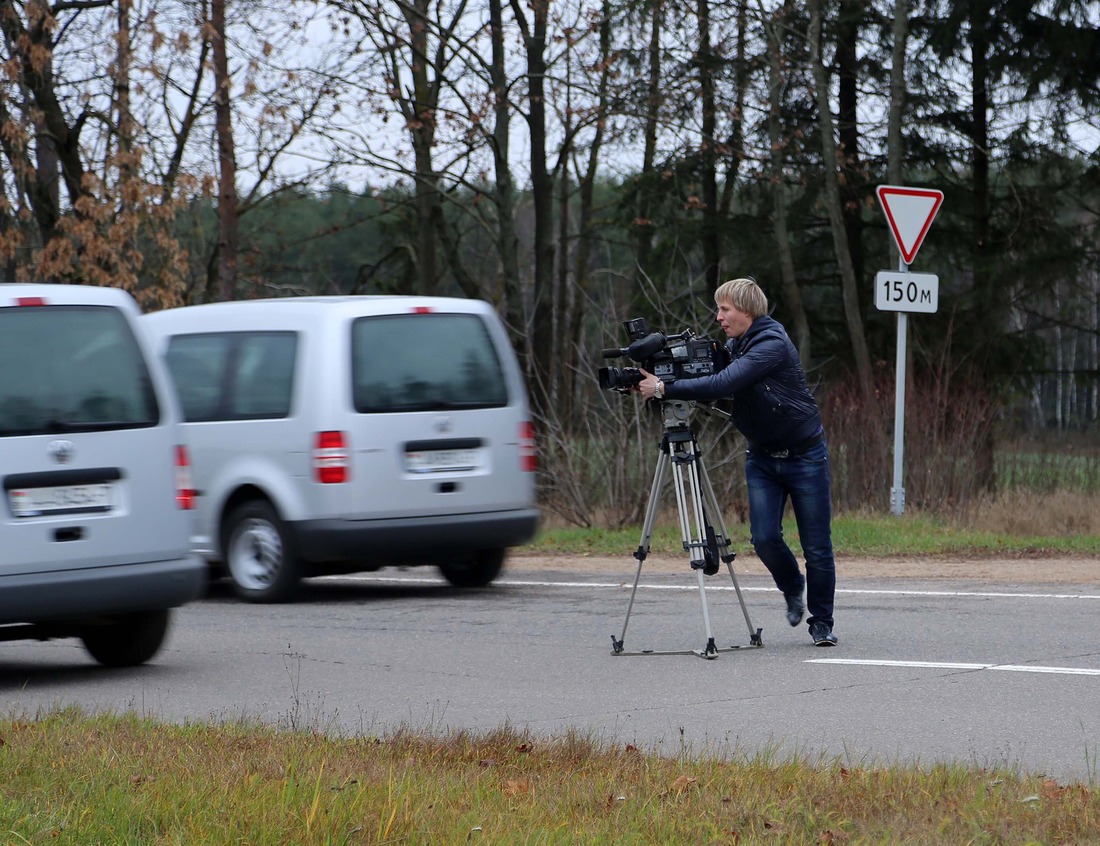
[263, 375]
[233, 375]
[70, 369]
[423, 362]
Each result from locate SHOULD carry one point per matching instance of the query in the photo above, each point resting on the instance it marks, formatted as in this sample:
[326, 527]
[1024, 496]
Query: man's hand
[648, 386]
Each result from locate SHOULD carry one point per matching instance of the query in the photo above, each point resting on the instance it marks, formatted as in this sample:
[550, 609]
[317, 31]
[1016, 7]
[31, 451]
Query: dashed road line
[950, 665]
[718, 587]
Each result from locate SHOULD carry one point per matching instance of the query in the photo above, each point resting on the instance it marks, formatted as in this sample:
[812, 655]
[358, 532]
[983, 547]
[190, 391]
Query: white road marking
[936, 665]
[421, 580]
[948, 665]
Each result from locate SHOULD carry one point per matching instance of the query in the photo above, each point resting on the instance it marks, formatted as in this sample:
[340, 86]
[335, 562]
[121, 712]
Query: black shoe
[822, 635]
[795, 608]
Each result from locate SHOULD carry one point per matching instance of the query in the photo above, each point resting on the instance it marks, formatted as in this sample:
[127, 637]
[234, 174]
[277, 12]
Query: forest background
[582, 162]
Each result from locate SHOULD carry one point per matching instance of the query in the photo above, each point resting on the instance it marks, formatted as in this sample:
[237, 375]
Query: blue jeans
[804, 480]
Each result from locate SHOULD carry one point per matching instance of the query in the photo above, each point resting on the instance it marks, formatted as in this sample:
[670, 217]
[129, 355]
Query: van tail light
[330, 458]
[185, 488]
[528, 461]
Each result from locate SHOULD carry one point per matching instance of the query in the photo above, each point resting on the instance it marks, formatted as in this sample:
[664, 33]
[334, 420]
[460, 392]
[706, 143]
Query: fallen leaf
[513, 787]
[1051, 789]
[682, 783]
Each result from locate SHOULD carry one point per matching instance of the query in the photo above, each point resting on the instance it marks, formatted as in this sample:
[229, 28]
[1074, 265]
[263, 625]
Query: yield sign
[910, 212]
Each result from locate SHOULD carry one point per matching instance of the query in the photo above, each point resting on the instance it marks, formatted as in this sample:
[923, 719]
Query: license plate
[441, 460]
[63, 499]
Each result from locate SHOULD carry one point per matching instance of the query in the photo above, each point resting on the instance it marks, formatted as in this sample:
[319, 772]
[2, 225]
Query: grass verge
[72, 778]
[853, 534]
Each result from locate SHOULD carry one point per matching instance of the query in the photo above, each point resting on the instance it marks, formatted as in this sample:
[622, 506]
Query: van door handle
[69, 533]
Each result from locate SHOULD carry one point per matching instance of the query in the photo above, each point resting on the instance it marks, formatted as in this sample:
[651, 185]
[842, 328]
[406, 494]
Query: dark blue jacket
[772, 404]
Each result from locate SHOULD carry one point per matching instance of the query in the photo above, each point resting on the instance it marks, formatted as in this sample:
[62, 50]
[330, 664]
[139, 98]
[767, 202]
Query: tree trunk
[643, 224]
[509, 294]
[47, 164]
[227, 162]
[708, 157]
[583, 254]
[559, 300]
[852, 316]
[542, 369]
[851, 168]
[894, 151]
[792, 295]
[421, 122]
[735, 146]
[122, 88]
[979, 151]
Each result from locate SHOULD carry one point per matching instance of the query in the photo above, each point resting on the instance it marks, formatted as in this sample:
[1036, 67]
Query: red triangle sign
[910, 212]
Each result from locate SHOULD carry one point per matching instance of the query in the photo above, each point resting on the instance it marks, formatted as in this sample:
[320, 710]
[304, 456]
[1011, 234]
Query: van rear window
[424, 362]
[71, 369]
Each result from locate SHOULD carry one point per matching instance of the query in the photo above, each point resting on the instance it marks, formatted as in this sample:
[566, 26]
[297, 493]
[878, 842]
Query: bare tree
[226, 276]
[852, 186]
[597, 117]
[776, 24]
[852, 316]
[643, 222]
[706, 62]
[72, 153]
[542, 369]
[504, 193]
[896, 109]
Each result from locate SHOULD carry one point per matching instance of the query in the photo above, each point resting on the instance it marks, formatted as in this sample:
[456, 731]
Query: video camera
[668, 357]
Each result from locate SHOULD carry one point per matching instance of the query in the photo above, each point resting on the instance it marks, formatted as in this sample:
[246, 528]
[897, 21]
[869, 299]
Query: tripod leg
[689, 503]
[724, 540]
[710, 650]
[644, 541]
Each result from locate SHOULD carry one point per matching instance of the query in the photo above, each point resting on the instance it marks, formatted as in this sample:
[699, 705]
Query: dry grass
[1021, 512]
[71, 779]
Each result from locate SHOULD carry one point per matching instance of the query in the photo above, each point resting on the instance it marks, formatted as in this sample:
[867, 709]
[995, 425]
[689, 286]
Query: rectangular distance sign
[896, 290]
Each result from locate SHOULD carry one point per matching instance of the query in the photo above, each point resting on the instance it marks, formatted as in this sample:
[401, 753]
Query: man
[787, 457]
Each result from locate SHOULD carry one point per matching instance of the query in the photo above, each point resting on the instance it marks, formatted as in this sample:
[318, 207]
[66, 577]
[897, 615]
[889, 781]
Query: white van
[343, 434]
[95, 523]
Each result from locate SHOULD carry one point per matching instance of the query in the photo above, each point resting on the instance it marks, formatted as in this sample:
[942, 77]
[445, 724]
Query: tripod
[697, 507]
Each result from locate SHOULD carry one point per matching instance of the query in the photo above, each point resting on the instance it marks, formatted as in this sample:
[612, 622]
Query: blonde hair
[744, 295]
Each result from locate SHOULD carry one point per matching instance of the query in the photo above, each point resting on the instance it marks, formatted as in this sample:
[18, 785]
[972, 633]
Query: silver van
[95, 521]
[343, 434]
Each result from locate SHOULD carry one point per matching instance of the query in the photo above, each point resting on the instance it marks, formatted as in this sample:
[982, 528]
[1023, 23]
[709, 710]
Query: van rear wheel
[476, 571]
[126, 640]
[259, 554]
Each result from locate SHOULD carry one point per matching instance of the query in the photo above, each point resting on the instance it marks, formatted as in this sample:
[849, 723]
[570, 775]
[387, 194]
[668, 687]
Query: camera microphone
[638, 350]
[646, 347]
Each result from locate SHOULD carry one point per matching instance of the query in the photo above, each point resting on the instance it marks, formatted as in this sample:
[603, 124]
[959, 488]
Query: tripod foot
[710, 651]
[616, 646]
[756, 639]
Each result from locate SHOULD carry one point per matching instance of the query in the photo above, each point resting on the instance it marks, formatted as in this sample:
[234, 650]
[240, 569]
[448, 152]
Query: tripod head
[676, 414]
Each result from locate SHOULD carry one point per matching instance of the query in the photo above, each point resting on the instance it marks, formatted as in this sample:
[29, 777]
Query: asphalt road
[926, 671]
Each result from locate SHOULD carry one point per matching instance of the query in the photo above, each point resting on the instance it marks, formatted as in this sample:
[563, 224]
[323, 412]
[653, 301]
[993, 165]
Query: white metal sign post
[910, 212]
